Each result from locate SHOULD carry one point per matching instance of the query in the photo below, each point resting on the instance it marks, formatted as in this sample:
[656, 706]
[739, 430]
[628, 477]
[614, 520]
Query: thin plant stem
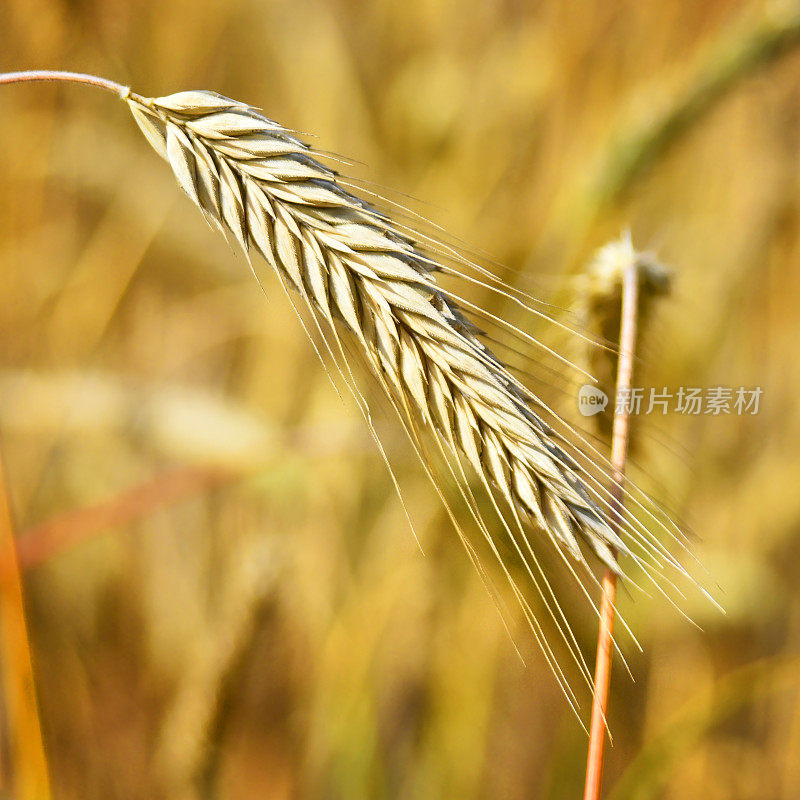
[69, 77]
[30, 777]
[619, 453]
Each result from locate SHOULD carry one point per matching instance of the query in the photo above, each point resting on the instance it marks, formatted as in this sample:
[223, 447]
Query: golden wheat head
[351, 265]
[354, 268]
[357, 271]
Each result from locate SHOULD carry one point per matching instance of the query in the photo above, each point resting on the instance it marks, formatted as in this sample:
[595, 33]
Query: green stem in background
[742, 49]
[740, 53]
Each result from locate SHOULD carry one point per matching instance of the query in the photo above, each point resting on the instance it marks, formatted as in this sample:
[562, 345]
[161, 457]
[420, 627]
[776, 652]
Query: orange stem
[30, 776]
[619, 454]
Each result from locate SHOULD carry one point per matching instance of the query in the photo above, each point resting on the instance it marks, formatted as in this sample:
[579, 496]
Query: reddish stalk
[619, 453]
[29, 778]
[64, 531]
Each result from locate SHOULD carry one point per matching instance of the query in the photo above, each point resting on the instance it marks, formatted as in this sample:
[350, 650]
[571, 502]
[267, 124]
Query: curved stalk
[67, 77]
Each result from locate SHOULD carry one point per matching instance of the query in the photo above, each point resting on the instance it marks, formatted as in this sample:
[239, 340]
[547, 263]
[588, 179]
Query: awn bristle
[353, 267]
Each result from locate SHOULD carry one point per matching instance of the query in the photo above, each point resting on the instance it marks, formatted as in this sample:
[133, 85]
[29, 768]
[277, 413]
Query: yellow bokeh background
[224, 596]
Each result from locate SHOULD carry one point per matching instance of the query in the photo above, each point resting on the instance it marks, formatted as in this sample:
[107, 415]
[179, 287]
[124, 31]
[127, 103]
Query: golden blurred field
[223, 593]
